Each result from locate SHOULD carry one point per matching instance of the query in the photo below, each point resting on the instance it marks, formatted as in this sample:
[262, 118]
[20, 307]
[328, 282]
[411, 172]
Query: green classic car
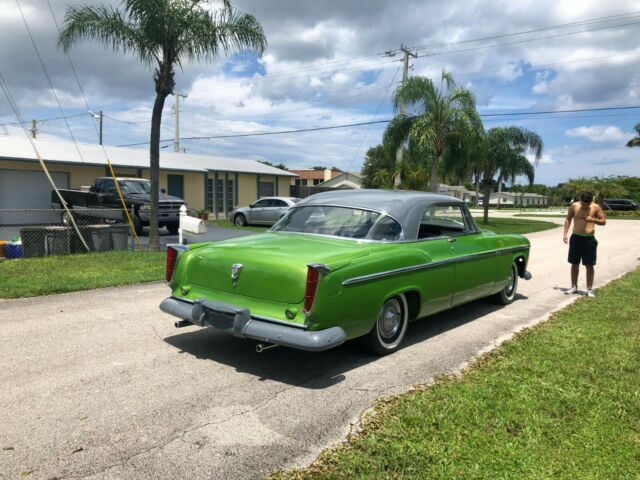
[341, 265]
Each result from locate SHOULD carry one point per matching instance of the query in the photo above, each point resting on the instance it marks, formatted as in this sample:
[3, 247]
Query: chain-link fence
[39, 233]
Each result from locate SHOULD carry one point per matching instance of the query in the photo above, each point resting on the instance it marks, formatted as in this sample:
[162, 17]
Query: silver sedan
[265, 211]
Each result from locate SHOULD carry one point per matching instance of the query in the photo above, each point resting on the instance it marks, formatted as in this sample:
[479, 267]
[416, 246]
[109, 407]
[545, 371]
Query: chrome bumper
[238, 321]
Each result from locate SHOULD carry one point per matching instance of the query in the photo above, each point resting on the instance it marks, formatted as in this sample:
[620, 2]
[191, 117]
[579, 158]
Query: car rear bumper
[238, 321]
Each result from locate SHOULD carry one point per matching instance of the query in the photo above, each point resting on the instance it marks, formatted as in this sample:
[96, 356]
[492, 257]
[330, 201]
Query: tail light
[313, 277]
[172, 256]
[314, 271]
[173, 250]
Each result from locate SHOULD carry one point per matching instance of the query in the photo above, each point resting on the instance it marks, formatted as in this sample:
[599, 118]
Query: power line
[46, 73]
[535, 30]
[132, 122]
[373, 122]
[41, 120]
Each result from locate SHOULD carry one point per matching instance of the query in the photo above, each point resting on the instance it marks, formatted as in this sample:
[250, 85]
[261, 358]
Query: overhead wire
[46, 73]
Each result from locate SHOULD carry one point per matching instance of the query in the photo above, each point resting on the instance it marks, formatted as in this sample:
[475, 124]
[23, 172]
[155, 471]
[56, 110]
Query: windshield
[135, 186]
[339, 222]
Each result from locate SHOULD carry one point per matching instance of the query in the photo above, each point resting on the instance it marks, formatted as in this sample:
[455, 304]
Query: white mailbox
[192, 224]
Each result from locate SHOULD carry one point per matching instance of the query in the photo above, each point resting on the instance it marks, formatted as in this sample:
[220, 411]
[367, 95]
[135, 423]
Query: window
[300, 181]
[279, 203]
[440, 220]
[262, 203]
[108, 186]
[219, 195]
[340, 222]
[317, 181]
[229, 195]
[265, 189]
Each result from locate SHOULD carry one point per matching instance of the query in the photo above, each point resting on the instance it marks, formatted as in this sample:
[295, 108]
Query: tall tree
[442, 116]
[163, 34]
[635, 141]
[505, 149]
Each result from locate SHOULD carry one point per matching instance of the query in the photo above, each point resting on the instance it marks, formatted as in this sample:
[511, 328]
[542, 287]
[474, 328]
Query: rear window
[340, 222]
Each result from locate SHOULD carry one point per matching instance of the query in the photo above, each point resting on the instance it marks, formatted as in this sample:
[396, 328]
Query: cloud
[598, 133]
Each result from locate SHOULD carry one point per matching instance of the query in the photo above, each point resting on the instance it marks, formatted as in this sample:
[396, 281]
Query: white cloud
[598, 133]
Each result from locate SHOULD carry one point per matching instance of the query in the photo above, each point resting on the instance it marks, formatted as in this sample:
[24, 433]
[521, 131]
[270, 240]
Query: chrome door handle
[452, 240]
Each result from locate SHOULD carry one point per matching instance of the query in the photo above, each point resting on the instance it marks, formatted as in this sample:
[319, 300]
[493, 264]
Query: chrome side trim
[320, 267]
[426, 266]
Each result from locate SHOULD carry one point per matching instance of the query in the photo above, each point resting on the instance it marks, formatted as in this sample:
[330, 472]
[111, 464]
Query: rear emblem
[235, 273]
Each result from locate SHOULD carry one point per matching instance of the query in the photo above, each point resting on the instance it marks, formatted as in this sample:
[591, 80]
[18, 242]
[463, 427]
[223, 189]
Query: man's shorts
[583, 248]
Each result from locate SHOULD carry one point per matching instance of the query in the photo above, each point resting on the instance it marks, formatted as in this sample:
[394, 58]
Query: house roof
[344, 177]
[20, 148]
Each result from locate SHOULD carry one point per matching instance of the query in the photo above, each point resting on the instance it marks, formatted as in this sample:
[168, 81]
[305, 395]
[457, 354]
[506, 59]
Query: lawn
[561, 400]
[514, 225]
[610, 215]
[29, 277]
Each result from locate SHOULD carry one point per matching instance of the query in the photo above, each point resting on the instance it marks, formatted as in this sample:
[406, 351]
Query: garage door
[28, 189]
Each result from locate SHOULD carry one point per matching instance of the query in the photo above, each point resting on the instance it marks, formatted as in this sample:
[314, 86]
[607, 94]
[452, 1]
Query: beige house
[312, 177]
[215, 183]
[513, 199]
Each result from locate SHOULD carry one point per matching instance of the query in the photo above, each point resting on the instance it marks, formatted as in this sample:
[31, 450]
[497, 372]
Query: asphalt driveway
[99, 384]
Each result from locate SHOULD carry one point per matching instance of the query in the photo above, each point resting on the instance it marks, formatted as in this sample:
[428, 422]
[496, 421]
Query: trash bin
[13, 250]
[101, 237]
[120, 236]
[57, 240]
[76, 245]
[32, 241]
[2, 245]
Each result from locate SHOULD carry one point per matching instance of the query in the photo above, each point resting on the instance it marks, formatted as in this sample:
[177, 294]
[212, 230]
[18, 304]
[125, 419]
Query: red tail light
[172, 256]
[313, 277]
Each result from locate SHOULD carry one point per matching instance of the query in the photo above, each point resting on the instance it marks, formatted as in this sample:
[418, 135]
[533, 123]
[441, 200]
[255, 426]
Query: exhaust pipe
[183, 323]
[261, 347]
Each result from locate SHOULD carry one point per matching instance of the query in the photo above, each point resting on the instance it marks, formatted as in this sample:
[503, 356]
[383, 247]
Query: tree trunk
[154, 166]
[499, 190]
[433, 181]
[477, 190]
[485, 201]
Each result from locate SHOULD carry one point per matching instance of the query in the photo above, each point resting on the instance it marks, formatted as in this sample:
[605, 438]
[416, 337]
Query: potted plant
[203, 214]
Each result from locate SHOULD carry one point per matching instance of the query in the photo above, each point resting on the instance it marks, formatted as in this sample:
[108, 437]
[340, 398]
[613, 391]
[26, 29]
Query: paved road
[100, 385]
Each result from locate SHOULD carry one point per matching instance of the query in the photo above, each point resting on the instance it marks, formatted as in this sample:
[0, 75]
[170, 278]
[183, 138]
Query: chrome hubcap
[390, 319]
[511, 285]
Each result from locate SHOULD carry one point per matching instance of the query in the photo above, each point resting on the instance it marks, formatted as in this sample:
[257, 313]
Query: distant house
[345, 180]
[312, 177]
[457, 191]
[513, 199]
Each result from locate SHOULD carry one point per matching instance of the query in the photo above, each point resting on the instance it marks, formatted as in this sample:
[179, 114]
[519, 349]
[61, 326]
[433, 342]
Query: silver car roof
[405, 206]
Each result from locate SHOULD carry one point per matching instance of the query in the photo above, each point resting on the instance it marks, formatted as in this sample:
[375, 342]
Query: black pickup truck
[102, 195]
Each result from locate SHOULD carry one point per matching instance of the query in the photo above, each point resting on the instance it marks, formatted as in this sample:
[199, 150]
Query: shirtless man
[583, 245]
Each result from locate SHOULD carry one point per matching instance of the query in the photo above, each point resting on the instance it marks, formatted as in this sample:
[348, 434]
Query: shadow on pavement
[314, 370]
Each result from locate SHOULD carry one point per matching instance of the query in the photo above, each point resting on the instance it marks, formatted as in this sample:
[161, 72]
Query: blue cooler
[13, 250]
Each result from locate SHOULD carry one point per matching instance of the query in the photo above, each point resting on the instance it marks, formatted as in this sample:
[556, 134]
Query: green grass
[29, 277]
[560, 401]
[514, 225]
[230, 224]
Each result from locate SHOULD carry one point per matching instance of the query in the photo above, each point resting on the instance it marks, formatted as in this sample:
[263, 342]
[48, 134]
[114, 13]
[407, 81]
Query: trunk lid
[274, 265]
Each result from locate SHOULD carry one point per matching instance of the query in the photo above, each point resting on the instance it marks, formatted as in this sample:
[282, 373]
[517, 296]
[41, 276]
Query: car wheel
[508, 294]
[240, 220]
[390, 327]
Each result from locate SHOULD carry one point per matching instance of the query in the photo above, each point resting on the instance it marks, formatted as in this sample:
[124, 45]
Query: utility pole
[405, 75]
[98, 116]
[101, 117]
[176, 110]
[34, 128]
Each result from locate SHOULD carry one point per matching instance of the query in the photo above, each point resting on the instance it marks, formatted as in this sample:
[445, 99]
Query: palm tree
[515, 165]
[504, 152]
[635, 141]
[163, 34]
[442, 115]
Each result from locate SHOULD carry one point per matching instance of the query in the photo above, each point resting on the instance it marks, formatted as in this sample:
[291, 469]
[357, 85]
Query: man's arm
[567, 224]
[599, 218]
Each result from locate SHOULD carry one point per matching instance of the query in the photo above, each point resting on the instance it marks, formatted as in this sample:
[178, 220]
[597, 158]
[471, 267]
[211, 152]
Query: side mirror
[251, 205]
[163, 190]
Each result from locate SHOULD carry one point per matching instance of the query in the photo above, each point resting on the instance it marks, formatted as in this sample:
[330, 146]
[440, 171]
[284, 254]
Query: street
[99, 384]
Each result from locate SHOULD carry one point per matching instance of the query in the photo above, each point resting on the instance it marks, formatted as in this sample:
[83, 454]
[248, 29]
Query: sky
[325, 65]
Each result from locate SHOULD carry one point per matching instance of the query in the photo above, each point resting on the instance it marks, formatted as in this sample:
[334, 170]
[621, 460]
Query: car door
[259, 211]
[278, 209]
[108, 197]
[472, 254]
